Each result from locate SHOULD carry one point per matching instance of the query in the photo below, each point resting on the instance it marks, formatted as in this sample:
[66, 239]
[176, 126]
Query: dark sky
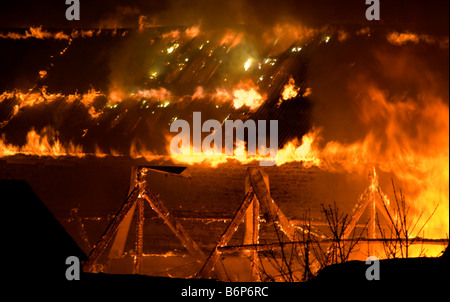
[417, 15]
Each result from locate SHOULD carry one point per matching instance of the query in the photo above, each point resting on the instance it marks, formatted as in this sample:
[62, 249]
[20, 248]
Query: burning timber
[76, 145]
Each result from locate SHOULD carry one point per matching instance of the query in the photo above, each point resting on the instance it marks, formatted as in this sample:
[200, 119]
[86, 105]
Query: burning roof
[106, 89]
[346, 99]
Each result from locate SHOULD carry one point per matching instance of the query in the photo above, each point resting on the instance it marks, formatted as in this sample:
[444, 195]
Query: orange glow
[399, 39]
[406, 137]
[231, 39]
[36, 98]
[307, 152]
[282, 35]
[42, 74]
[290, 91]
[419, 161]
[192, 32]
[402, 38]
[41, 145]
[246, 94]
[210, 159]
[37, 33]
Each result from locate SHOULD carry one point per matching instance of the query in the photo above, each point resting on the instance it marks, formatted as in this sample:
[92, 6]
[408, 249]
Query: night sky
[430, 16]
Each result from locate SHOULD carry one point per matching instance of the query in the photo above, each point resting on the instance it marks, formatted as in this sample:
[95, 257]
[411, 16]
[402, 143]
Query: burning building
[358, 107]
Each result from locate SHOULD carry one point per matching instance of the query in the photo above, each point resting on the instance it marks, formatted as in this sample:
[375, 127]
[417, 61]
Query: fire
[231, 39]
[41, 34]
[399, 39]
[282, 35]
[88, 99]
[250, 98]
[402, 38]
[419, 161]
[160, 94]
[37, 33]
[248, 64]
[41, 145]
[307, 152]
[192, 32]
[189, 33]
[137, 152]
[209, 158]
[42, 74]
[406, 137]
[290, 91]
[246, 94]
[35, 98]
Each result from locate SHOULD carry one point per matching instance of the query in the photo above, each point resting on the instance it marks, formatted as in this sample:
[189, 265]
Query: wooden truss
[257, 198]
[371, 199]
[120, 224]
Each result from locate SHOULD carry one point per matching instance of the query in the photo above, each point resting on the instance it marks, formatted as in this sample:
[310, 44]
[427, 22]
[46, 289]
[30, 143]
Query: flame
[211, 158]
[160, 94]
[246, 94]
[31, 99]
[248, 64]
[419, 161]
[192, 32]
[41, 34]
[174, 34]
[399, 39]
[282, 35]
[37, 33]
[405, 137]
[250, 98]
[42, 74]
[290, 91]
[41, 145]
[402, 38]
[307, 152]
[365, 31]
[231, 39]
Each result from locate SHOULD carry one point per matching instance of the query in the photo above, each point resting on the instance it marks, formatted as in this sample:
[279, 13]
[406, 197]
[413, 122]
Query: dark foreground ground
[35, 246]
